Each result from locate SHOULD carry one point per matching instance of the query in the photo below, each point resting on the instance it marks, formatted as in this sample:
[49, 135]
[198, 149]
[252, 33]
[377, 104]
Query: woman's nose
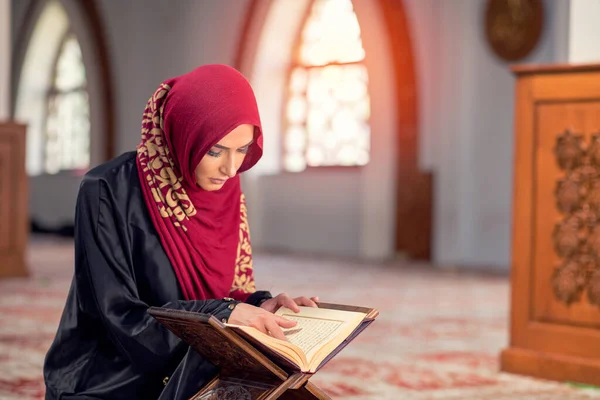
[228, 167]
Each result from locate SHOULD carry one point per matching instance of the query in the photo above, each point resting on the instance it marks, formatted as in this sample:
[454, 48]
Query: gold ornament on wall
[577, 236]
[513, 28]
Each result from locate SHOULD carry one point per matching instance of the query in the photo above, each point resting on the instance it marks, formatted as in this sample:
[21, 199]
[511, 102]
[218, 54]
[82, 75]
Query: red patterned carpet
[438, 336]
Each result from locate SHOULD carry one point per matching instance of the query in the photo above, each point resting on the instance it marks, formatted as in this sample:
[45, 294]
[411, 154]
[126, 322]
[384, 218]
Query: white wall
[153, 40]
[473, 110]
[584, 31]
[311, 213]
[52, 199]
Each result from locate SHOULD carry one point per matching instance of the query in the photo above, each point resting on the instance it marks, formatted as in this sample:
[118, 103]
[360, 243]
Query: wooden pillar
[13, 201]
[414, 195]
[13, 178]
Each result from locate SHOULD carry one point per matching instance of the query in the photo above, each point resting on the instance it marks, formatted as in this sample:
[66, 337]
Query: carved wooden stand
[295, 386]
[246, 373]
[555, 316]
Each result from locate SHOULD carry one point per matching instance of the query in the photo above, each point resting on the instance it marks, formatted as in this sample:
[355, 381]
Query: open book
[319, 334]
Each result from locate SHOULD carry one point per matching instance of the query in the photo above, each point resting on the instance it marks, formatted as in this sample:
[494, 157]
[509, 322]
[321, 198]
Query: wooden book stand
[247, 372]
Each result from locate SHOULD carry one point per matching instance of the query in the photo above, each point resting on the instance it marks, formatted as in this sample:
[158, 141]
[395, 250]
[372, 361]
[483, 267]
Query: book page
[317, 326]
[324, 313]
[310, 333]
[318, 331]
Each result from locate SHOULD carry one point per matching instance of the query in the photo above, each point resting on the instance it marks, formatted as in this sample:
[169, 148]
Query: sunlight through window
[328, 106]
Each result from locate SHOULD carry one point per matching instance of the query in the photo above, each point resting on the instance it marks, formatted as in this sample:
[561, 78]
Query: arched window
[67, 127]
[62, 91]
[328, 106]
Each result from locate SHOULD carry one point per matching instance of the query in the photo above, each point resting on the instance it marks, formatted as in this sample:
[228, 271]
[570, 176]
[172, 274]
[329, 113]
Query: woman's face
[225, 158]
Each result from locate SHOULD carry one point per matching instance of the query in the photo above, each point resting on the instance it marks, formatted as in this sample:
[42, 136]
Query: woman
[164, 226]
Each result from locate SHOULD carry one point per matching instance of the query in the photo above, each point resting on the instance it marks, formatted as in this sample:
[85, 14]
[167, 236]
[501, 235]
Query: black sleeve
[259, 297]
[104, 274]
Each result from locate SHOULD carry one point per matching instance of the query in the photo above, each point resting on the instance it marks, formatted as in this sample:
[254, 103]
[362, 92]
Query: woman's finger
[260, 325]
[288, 302]
[305, 301]
[284, 322]
[274, 329]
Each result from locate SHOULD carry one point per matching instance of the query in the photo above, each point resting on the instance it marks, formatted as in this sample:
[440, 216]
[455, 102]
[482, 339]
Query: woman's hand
[283, 300]
[265, 321]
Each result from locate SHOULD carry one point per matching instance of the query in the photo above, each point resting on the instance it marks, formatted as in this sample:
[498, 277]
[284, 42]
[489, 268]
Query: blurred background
[83, 71]
[387, 171]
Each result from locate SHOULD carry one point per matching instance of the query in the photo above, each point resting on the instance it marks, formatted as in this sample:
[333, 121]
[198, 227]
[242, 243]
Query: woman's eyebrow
[218, 146]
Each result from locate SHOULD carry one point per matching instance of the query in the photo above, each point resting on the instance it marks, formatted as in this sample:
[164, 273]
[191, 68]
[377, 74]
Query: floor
[438, 335]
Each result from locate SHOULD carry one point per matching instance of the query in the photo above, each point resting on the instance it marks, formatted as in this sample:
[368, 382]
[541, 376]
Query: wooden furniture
[555, 316]
[247, 371]
[13, 201]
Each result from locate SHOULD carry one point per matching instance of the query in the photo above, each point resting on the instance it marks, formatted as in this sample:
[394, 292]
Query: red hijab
[199, 229]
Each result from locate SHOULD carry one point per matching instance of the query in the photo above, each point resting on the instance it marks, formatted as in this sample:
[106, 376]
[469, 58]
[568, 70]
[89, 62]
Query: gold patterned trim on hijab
[158, 166]
[243, 279]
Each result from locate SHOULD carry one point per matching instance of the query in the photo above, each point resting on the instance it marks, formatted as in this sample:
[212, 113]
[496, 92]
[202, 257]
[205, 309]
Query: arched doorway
[395, 196]
[62, 91]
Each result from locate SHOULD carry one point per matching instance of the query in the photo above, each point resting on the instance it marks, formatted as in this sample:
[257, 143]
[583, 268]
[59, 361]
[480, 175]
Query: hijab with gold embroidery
[204, 233]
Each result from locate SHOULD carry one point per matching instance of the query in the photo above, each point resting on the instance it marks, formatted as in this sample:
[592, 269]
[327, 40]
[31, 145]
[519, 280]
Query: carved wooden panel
[231, 389]
[577, 235]
[232, 360]
[13, 201]
[566, 212]
[223, 389]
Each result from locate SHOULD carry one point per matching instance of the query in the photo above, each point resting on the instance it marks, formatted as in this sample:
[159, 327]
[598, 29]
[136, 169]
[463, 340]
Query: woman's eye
[243, 150]
[213, 153]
